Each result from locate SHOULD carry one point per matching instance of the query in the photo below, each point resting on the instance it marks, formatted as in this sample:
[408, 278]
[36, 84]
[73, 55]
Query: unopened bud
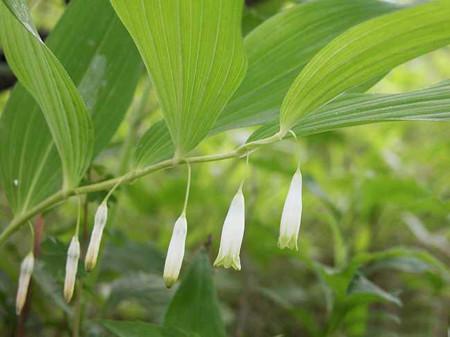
[26, 269]
[101, 217]
[175, 252]
[292, 214]
[73, 254]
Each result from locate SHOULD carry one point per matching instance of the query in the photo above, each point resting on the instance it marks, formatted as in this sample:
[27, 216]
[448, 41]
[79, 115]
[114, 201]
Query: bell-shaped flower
[26, 269]
[292, 214]
[101, 217]
[232, 234]
[73, 254]
[175, 253]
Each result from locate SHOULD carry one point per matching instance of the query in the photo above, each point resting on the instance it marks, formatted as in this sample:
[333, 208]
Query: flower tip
[68, 295]
[228, 262]
[289, 243]
[170, 281]
[89, 264]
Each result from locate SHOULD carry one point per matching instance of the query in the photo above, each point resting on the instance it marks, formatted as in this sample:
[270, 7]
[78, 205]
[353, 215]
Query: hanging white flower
[232, 234]
[26, 269]
[292, 214]
[101, 217]
[175, 253]
[73, 254]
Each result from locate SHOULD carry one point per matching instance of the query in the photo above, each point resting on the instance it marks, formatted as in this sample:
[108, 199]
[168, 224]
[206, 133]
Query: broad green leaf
[278, 49]
[141, 329]
[363, 52]
[195, 307]
[154, 146]
[45, 78]
[97, 52]
[194, 54]
[430, 104]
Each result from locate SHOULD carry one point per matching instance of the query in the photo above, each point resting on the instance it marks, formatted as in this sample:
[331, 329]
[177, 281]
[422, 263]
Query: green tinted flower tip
[292, 214]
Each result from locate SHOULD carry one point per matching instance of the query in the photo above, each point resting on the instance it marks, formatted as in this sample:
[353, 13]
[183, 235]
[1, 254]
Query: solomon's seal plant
[306, 70]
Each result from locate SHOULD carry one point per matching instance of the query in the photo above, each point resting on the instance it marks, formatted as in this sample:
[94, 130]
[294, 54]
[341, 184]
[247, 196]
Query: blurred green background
[374, 242]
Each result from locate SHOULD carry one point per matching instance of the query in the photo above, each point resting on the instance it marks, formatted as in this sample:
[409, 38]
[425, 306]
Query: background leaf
[140, 329]
[363, 52]
[194, 307]
[194, 53]
[97, 52]
[46, 79]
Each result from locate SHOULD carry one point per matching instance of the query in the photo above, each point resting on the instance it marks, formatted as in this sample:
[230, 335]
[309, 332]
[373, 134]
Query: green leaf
[40, 72]
[194, 54]
[361, 290]
[97, 52]
[154, 146]
[430, 104]
[364, 52]
[140, 329]
[195, 307]
[278, 49]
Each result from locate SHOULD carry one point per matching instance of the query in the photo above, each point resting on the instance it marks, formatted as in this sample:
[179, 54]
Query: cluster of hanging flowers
[73, 256]
[230, 242]
[233, 230]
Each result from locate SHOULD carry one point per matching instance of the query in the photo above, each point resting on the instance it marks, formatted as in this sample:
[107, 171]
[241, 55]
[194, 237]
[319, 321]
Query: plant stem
[127, 178]
[76, 320]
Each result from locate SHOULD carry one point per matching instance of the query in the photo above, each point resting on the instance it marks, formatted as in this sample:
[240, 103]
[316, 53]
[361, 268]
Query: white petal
[73, 254]
[232, 234]
[292, 214]
[96, 237]
[26, 269]
[175, 253]
[102, 214]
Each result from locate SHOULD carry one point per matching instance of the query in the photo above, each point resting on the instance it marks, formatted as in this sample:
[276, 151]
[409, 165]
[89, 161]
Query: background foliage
[374, 242]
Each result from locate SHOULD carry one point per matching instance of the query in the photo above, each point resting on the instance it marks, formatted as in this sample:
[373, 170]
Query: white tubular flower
[292, 214]
[175, 253]
[26, 269]
[232, 234]
[101, 217]
[73, 254]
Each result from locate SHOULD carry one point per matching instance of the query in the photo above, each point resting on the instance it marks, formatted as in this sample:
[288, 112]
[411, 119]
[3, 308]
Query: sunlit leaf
[46, 79]
[194, 53]
[430, 104]
[278, 50]
[365, 51]
[97, 52]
